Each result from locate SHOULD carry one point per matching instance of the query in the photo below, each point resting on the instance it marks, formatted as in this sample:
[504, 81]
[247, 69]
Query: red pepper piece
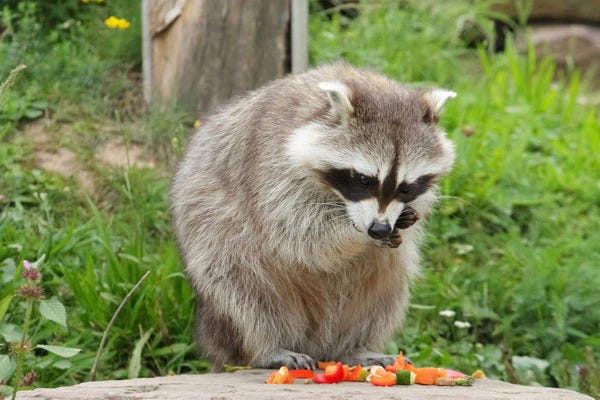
[354, 373]
[333, 374]
[302, 373]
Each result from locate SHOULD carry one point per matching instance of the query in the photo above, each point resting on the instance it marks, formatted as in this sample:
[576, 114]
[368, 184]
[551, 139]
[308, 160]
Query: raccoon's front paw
[408, 217]
[369, 358]
[289, 359]
[395, 239]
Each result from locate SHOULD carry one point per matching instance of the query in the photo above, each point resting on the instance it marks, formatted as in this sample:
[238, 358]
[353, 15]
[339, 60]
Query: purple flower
[31, 290]
[29, 271]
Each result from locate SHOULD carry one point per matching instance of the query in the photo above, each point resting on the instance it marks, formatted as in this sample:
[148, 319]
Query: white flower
[462, 324]
[447, 313]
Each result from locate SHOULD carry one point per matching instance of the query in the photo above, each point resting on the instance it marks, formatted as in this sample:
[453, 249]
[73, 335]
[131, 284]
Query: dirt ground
[52, 154]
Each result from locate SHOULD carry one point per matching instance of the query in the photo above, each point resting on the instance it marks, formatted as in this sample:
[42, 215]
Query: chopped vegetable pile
[400, 372]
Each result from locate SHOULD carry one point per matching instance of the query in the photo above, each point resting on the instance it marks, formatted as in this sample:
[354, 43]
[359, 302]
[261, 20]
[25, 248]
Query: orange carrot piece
[391, 368]
[426, 376]
[383, 378]
[324, 364]
[281, 376]
[399, 363]
[271, 378]
[346, 371]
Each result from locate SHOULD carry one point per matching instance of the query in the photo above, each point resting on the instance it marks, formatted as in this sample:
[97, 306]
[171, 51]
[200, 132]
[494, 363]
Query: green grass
[513, 248]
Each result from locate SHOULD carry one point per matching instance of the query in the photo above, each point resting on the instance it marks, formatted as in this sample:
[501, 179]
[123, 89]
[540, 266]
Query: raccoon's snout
[379, 230]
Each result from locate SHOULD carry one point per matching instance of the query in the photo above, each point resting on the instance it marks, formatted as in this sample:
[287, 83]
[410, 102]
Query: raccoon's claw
[369, 358]
[395, 239]
[289, 359]
[407, 218]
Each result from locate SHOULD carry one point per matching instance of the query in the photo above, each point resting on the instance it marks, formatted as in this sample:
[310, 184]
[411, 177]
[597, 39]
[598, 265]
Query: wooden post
[146, 53]
[299, 35]
[206, 51]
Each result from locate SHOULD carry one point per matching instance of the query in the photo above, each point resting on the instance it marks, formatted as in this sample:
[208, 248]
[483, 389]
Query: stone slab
[249, 385]
[577, 44]
[556, 10]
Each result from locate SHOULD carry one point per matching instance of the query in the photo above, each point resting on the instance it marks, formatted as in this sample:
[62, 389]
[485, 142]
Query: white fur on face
[305, 147]
[362, 213]
[392, 211]
[417, 168]
[365, 212]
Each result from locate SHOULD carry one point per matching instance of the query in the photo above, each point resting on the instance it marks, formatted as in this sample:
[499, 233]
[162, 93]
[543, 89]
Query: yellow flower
[123, 24]
[85, 1]
[111, 22]
[116, 23]
[197, 124]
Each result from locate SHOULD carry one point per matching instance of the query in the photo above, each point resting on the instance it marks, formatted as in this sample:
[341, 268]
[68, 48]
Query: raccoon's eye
[364, 180]
[405, 188]
[407, 192]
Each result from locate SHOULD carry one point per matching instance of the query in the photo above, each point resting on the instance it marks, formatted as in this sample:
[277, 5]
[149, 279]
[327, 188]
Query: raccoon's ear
[436, 98]
[339, 98]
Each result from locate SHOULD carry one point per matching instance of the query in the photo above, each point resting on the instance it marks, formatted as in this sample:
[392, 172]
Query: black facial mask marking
[356, 187]
[407, 192]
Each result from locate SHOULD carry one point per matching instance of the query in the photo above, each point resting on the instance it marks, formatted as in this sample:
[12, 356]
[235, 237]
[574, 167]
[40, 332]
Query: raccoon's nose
[379, 231]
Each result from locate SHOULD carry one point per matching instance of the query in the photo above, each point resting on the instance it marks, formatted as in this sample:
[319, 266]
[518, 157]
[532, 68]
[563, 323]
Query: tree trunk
[206, 51]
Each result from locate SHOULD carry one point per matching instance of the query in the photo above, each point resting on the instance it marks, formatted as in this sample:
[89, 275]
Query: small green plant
[588, 375]
[30, 292]
[8, 83]
[17, 107]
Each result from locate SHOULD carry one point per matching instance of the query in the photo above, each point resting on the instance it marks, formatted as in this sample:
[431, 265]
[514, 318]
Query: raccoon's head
[377, 147]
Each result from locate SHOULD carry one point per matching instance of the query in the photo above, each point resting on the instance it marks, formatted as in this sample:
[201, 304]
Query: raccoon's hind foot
[369, 358]
[408, 217]
[289, 359]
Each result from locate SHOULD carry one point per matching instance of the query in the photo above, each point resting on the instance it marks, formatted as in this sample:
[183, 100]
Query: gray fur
[281, 274]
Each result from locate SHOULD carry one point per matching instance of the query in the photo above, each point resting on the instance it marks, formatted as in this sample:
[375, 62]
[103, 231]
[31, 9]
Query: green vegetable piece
[234, 368]
[466, 381]
[405, 377]
[362, 376]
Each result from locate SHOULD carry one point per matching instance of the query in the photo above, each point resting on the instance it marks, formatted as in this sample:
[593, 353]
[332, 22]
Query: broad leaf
[7, 367]
[10, 332]
[53, 310]
[66, 352]
[63, 364]
[5, 390]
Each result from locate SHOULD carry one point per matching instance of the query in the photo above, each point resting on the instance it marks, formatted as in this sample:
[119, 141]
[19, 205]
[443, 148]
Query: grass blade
[135, 363]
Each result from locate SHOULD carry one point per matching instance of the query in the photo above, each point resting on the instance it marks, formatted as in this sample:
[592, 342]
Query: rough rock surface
[579, 44]
[557, 10]
[249, 385]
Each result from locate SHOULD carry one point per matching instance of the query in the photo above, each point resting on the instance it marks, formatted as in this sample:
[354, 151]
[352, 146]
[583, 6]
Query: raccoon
[298, 210]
